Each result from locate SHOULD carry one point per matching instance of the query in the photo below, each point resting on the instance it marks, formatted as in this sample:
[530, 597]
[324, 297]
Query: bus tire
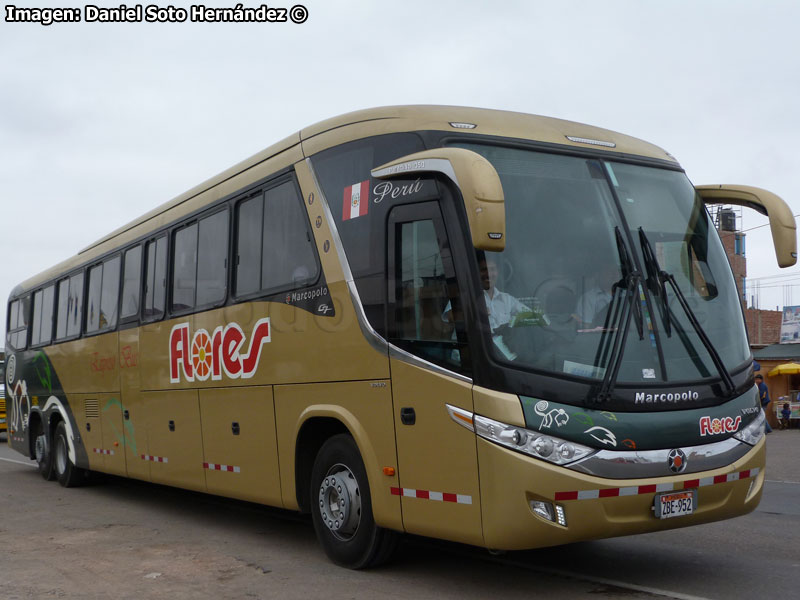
[67, 473]
[341, 508]
[42, 452]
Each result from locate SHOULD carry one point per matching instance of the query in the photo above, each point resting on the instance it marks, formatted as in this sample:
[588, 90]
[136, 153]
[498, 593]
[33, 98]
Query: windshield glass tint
[555, 295]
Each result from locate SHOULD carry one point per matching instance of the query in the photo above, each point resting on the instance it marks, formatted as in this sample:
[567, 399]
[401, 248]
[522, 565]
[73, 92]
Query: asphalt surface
[126, 539]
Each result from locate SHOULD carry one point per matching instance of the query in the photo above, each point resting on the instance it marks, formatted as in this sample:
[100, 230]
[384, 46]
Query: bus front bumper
[594, 507]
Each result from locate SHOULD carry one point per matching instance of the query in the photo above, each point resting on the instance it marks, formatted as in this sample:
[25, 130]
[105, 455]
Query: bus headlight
[753, 432]
[532, 443]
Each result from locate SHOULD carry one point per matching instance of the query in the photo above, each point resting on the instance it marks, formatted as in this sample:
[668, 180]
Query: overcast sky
[101, 122]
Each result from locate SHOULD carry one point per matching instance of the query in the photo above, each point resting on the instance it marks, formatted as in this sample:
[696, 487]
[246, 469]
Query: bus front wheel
[342, 509]
[67, 473]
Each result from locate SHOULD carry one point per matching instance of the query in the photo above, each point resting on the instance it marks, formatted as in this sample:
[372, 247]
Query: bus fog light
[543, 509]
[560, 516]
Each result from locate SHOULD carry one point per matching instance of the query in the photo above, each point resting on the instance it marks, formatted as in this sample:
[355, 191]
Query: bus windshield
[589, 241]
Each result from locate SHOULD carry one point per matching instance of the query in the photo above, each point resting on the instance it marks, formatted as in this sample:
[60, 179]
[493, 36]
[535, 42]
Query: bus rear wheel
[67, 473]
[42, 452]
[342, 509]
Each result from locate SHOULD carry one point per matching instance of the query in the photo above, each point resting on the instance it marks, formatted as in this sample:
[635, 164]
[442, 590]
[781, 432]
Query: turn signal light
[388, 471]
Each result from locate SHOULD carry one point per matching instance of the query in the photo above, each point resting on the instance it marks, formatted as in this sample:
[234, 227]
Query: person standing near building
[763, 395]
[786, 415]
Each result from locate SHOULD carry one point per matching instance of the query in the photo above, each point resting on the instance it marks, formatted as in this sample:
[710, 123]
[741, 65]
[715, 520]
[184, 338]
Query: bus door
[437, 458]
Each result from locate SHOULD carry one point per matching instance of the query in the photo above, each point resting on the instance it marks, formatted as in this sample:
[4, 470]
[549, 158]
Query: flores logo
[211, 355]
[677, 461]
[709, 426]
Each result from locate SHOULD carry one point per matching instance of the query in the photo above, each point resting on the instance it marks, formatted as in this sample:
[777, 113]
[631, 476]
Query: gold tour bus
[488, 327]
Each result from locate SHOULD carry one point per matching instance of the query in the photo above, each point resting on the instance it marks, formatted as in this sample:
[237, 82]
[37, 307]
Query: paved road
[126, 539]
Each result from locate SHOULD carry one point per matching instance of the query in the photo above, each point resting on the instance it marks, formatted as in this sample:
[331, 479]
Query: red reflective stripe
[647, 489]
[450, 497]
[744, 474]
[424, 494]
[691, 483]
[721, 479]
[609, 493]
[396, 491]
[566, 496]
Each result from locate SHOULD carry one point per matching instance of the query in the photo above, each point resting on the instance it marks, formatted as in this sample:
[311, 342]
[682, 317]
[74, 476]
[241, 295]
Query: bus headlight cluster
[753, 432]
[532, 443]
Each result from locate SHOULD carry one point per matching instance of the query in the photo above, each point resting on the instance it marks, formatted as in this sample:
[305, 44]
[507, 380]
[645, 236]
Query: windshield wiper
[656, 280]
[629, 270]
[619, 315]
[665, 277]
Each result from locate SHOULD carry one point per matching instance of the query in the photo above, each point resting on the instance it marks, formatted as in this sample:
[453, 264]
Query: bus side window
[248, 245]
[42, 322]
[184, 268]
[75, 305]
[101, 308]
[109, 296]
[155, 291]
[288, 258]
[212, 259]
[62, 314]
[18, 323]
[37, 317]
[274, 251]
[131, 285]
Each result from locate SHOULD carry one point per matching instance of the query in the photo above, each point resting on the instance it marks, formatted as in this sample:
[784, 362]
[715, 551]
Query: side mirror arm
[781, 220]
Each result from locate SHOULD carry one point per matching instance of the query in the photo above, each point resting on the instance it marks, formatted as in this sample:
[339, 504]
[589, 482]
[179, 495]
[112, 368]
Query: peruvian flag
[356, 200]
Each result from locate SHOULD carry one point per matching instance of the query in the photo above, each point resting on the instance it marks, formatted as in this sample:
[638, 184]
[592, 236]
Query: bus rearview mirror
[781, 220]
[477, 180]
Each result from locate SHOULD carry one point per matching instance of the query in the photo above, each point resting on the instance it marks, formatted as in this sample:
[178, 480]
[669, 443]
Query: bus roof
[353, 126]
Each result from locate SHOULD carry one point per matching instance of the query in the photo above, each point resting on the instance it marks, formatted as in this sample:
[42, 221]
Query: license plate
[675, 504]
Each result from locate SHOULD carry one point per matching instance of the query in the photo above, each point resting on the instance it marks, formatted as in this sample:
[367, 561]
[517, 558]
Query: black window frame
[262, 192]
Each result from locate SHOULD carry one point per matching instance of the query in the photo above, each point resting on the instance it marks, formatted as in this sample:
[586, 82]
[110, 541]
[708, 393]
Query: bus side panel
[86, 412]
[239, 444]
[134, 425]
[174, 439]
[87, 366]
[113, 448]
[365, 409]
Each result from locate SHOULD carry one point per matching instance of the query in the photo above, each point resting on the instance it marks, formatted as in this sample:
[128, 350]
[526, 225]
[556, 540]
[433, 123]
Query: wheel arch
[53, 413]
[318, 424]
